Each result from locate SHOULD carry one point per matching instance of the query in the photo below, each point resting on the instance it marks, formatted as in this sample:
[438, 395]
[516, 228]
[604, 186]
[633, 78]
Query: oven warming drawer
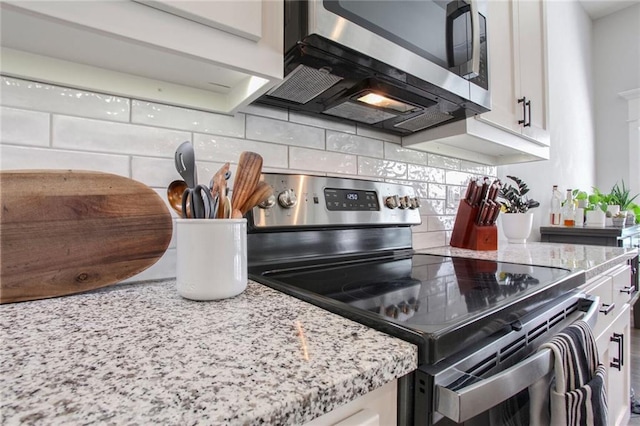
[463, 404]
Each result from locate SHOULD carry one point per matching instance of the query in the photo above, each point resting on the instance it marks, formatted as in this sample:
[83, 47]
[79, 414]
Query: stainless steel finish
[473, 66]
[359, 112]
[303, 84]
[287, 198]
[311, 209]
[348, 34]
[268, 203]
[607, 308]
[392, 201]
[465, 403]
[431, 117]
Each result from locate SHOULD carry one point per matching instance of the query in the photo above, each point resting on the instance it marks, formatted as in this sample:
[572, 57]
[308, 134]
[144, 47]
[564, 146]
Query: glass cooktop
[440, 303]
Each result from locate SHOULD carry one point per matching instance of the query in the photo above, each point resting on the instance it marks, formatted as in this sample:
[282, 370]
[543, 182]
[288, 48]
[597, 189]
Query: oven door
[490, 386]
[442, 42]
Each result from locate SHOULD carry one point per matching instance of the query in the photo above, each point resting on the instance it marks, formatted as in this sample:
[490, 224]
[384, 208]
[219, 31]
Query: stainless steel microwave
[400, 65]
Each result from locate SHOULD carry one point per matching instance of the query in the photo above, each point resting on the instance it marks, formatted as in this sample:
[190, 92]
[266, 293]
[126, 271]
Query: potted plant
[622, 197]
[595, 205]
[517, 220]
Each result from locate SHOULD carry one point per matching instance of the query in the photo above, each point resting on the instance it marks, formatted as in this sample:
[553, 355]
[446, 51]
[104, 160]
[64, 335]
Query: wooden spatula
[247, 177]
[261, 193]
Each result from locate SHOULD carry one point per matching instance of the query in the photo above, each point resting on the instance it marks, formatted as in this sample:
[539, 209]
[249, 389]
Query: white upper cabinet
[213, 56]
[519, 70]
[513, 131]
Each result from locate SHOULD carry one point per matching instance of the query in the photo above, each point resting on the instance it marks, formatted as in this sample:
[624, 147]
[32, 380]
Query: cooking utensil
[247, 177]
[261, 193]
[174, 195]
[69, 231]
[185, 160]
[219, 188]
[198, 203]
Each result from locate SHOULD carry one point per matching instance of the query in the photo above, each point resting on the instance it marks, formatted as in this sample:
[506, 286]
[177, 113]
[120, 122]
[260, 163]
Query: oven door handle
[462, 404]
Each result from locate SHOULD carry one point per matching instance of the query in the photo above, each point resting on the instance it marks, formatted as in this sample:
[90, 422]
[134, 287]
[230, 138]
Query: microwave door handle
[475, 42]
[462, 404]
[455, 9]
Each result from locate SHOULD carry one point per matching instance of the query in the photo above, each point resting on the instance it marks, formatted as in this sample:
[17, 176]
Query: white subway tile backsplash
[458, 178]
[283, 132]
[264, 111]
[62, 100]
[425, 173]
[20, 157]
[353, 144]
[323, 161]
[377, 134]
[105, 136]
[423, 240]
[479, 169]
[382, 168]
[438, 191]
[45, 126]
[443, 162]
[154, 172]
[22, 127]
[396, 152]
[153, 114]
[223, 149]
[325, 123]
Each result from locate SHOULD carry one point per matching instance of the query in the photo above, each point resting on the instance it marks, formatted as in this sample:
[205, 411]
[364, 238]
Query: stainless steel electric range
[346, 246]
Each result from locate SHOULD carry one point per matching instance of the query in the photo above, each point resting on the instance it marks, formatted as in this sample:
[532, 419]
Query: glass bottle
[569, 210]
[556, 206]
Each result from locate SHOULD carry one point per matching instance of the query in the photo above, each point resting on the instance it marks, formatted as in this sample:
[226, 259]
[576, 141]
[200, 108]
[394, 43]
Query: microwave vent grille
[359, 112]
[303, 84]
[431, 117]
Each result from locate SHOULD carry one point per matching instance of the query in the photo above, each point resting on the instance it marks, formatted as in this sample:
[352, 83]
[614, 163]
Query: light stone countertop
[593, 260]
[141, 354]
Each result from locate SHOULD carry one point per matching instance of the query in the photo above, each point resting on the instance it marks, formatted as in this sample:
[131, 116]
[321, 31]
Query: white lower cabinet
[613, 346]
[612, 337]
[377, 408]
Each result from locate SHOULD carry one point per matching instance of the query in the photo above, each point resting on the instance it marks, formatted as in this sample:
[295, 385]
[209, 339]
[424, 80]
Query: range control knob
[392, 201]
[287, 198]
[414, 203]
[268, 203]
[404, 202]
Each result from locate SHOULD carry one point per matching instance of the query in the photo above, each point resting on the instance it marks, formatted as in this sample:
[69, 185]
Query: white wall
[616, 65]
[572, 119]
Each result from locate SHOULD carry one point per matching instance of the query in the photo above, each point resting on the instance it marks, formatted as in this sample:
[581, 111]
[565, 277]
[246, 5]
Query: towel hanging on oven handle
[462, 404]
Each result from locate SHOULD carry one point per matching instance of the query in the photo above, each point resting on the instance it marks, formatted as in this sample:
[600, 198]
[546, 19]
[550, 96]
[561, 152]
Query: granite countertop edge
[139, 353]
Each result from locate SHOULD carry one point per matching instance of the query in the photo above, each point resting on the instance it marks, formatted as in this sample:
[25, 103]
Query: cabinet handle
[523, 101]
[619, 361]
[627, 290]
[606, 309]
[528, 104]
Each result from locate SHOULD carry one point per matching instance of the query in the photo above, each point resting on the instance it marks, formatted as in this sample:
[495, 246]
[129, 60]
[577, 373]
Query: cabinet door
[614, 354]
[517, 68]
[239, 17]
[505, 111]
[531, 68]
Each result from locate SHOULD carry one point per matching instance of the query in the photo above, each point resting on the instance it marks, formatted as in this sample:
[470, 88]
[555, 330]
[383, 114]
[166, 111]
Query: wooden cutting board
[68, 231]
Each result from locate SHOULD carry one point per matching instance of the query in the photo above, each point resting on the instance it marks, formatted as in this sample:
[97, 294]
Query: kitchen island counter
[141, 354]
[593, 260]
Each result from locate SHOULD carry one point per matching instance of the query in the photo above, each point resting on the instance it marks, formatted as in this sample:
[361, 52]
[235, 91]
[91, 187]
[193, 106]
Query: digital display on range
[338, 199]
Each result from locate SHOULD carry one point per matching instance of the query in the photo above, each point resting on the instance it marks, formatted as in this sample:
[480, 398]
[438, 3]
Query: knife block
[468, 235]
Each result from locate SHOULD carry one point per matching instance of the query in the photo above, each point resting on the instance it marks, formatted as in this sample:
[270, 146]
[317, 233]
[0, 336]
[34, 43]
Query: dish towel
[575, 393]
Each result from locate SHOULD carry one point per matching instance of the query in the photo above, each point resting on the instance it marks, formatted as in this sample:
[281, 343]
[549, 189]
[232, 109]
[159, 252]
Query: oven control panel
[312, 201]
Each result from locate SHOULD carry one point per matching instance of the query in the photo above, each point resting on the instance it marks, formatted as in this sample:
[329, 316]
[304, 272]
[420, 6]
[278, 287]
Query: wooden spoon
[262, 192]
[247, 177]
